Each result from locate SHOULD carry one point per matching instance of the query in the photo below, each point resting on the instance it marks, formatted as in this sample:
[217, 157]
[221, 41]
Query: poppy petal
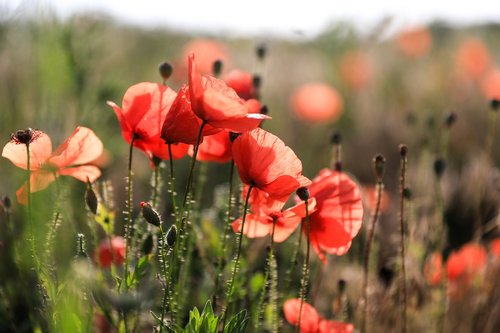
[332, 326]
[82, 172]
[285, 226]
[82, 147]
[40, 180]
[255, 226]
[309, 321]
[40, 151]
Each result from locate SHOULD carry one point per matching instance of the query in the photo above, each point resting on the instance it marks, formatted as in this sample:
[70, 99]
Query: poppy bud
[303, 193]
[403, 150]
[7, 203]
[407, 193]
[149, 214]
[91, 199]
[147, 244]
[338, 166]
[495, 104]
[379, 166]
[261, 51]
[156, 161]
[450, 119]
[171, 235]
[336, 138]
[165, 70]
[341, 285]
[25, 136]
[257, 81]
[264, 110]
[233, 136]
[217, 67]
[439, 167]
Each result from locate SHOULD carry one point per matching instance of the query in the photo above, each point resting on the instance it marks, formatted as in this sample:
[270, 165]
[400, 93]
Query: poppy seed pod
[171, 235]
[379, 166]
[7, 203]
[403, 150]
[336, 138]
[149, 214]
[261, 51]
[495, 104]
[217, 67]
[450, 119]
[257, 81]
[91, 199]
[166, 70]
[303, 193]
[407, 193]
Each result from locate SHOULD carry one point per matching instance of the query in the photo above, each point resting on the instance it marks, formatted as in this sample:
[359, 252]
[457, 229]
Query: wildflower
[370, 198]
[356, 69]
[316, 102]
[215, 148]
[415, 42]
[466, 263]
[473, 58]
[265, 162]
[311, 321]
[490, 86]
[242, 83]
[219, 105]
[72, 158]
[495, 248]
[111, 254]
[209, 52]
[338, 215]
[144, 108]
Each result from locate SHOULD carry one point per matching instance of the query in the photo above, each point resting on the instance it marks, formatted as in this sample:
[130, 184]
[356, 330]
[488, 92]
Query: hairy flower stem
[166, 289]
[225, 236]
[129, 226]
[229, 293]
[172, 187]
[402, 229]
[305, 270]
[293, 262]
[366, 257]
[36, 262]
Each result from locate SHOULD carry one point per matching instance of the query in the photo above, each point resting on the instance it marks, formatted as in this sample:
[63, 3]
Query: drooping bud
[439, 167]
[166, 70]
[403, 150]
[303, 193]
[217, 67]
[171, 235]
[495, 104]
[450, 119]
[379, 166]
[261, 51]
[149, 214]
[91, 198]
[147, 244]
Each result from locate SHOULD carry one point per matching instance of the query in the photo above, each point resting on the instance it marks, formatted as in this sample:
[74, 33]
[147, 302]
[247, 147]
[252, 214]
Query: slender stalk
[172, 187]
[236, 259]
[36, 261]
[273, 290]
[402, 180]
[166, 277]
[305, 271]
[128, 216]
[193, 162]
[293, 262]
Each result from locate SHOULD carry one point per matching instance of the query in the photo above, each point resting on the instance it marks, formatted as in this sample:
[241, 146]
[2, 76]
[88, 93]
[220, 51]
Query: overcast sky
[267, 16]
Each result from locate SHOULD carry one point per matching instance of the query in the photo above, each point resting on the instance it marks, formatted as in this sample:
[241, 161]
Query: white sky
[271, 17]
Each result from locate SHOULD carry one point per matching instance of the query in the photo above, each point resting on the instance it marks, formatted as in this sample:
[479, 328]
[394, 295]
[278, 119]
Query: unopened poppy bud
[264, 110]
[217, 67]
[6, 202]
[407, 193]
[149, 214]
[166, 70]
[147, 244]
[261, 51]
[257, 81]
[495, 104]
[439, 167]
[379, 166]
[233, 136]
[303, 193]
[342, 284]
[450, 119]
[403, 150]
[91, 199]
[156, 160]
[171, 235]
[336, 138]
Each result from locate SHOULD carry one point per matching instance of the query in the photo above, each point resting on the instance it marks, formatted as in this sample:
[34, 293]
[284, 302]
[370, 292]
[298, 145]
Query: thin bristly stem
[236, 259]
[172, 187]
[273, 290]
[193, 162]
[293, 262]
[366, 257]
[305, 271]
[403, 151]
[129, 225]
[166, 277]
[30, 216]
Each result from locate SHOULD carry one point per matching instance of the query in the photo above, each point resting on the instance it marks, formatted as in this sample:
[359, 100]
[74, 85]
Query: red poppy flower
[242, 83]
[208, 52]
[415, 42]
[72, 158]
[214, 148]
[466, 263]
[356, 69]
[491, 84]
[311, 321]
[433, 269]
[114, 254]
[473, 58]
[495, 248]
[265, 162]
[316, 102]
[144, 108]
[265, 210]
[219, 105]
[338, 215]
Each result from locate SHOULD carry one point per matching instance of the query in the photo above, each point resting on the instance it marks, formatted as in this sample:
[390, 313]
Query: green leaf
[238, 323]
[139, 271]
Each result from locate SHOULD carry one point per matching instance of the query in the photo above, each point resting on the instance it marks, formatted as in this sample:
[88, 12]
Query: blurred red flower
[111, 254]
[338, 215]
[311, 321]
[466, 263]
[356, 69]
[242, 83]
[433, 269]
[208, 51]
[473, 58]
[265, 162]
[370, 198]
[265, 210]
[214, 148]
[491, 84]
[144, 108]
[316, 102]
[73, 158]
[414, 42]
[219, 105]
[495, 248]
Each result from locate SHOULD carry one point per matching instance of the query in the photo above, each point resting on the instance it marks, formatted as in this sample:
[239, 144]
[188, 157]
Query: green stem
[402, 230]
[172, 187]
[293, 262]
[128, 217]
[166, 277]
[305, 271]
[36, 262]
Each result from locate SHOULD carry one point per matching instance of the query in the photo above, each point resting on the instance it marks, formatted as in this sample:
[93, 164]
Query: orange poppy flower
[144, 108]
[316, 102]
[214, 148]
[242, 83]
[219, 105]
[473, 58]
[72, 158]
[491, 84]
[356, 69]
[433, 269]
[106, 254]
[338, 215]
[415, 42]
[311, 321]
[265, 162]
[265, 211]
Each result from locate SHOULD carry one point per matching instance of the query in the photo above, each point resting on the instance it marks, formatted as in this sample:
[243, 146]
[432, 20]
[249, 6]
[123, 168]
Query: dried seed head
[217, 67]
[403, 150]
[303, 193]
[91, 199]
[171, 235]
[166, 70]
[379, 166]
[150, 215]
[439, 166]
